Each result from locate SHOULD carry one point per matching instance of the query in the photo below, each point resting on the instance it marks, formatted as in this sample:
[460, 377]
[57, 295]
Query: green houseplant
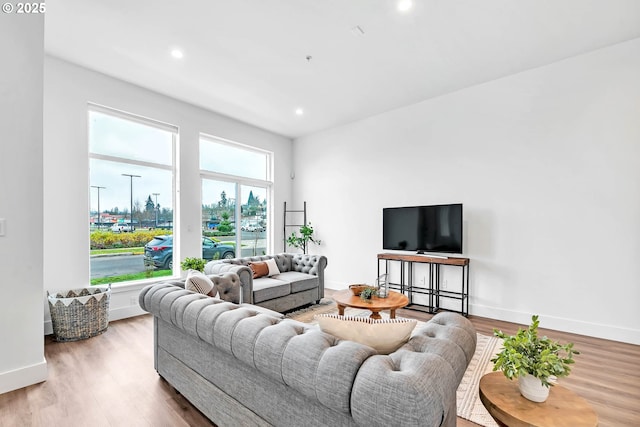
[525, 355]
[193, 264]
[367, 293]
[302, 241]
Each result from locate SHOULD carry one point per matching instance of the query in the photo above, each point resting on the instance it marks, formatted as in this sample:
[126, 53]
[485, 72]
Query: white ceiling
[247, 58]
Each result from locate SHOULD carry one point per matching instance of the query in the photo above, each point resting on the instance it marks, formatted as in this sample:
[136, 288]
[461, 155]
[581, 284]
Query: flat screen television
[436, 228]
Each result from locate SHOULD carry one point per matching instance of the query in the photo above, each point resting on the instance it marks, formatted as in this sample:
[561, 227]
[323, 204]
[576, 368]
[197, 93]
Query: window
[131, 168]
[236, 190]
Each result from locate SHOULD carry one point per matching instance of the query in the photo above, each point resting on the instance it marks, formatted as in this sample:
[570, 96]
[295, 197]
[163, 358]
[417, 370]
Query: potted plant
[367, 293]
[306, 236]
[533, 360]
[193, 264]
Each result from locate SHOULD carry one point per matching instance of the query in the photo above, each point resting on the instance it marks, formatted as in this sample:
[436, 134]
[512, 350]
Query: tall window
[131, 164]
[236, 195]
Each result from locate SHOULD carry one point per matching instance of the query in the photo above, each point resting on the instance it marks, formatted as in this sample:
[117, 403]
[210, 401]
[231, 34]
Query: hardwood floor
[109, 380]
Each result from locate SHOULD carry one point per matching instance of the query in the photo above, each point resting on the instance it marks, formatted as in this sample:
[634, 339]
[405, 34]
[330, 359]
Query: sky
[114, 136]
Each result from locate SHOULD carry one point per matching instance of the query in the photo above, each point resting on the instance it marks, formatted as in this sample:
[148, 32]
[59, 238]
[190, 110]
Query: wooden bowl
[356, 289]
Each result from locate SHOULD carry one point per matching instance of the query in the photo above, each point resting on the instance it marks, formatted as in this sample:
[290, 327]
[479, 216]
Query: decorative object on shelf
[302, 241]
[367, 293]
[357, 288]
[193, 264]
[533, 360]
[381, 284]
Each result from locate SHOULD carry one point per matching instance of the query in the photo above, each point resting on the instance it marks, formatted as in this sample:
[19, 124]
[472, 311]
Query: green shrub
[102, 239]
[193, 264]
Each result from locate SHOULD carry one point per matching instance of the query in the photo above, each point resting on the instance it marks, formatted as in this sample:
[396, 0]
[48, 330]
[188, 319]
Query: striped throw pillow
[384, 335]
[198, 282]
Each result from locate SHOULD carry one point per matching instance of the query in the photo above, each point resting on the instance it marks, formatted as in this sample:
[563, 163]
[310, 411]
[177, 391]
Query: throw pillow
[259, 269]
[384, 335]
[198, 282]
[273, 267]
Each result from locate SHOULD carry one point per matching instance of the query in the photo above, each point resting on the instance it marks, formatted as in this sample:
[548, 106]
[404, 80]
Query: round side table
[563, 408]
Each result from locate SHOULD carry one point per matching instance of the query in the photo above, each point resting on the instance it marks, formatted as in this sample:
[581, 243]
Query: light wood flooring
[109, 380]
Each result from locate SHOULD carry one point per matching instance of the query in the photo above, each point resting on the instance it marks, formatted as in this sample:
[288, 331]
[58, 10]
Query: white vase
[532, 388]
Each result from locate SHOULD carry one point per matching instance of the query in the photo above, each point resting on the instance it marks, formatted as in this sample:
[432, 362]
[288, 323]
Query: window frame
[173, 168]
[239, 181]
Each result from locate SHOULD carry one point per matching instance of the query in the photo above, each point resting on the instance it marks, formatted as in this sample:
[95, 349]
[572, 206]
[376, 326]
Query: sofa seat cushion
[266, 288]
[299, 281]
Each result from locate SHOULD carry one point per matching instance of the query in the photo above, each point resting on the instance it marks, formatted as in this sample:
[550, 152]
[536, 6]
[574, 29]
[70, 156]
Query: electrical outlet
[133, 301]
[445, 284]
[423, 281]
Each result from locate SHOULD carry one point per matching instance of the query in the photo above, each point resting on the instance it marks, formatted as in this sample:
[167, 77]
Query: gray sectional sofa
[243, 365]
[300, 281]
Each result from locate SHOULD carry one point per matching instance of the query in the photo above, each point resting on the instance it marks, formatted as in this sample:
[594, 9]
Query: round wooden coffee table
[394, 301]
[563, 408]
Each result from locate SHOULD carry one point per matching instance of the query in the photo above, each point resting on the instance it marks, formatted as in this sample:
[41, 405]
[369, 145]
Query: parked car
[252, 227]
[159, 251]
[121, 228]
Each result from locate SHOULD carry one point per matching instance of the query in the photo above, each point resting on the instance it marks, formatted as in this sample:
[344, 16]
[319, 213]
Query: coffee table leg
[392, 314]
[375, 315]
[340, 310]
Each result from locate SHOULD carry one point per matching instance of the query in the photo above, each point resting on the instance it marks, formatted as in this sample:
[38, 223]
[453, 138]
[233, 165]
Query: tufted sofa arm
[415, 385]
[244, 274]
[310, 264]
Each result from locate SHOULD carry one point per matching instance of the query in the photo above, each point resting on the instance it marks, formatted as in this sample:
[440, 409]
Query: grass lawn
[133, 251]
[128, 277]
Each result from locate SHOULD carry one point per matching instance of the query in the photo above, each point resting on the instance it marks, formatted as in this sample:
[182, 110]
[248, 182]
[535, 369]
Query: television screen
[436, 228]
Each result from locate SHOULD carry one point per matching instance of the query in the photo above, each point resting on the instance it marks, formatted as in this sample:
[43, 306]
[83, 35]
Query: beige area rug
[468, 401]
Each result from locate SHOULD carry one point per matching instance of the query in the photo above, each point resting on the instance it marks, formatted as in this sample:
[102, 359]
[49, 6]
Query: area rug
[468, 401]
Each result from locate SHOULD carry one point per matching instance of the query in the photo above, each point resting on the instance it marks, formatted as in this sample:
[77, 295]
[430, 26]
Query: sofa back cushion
[284, 261]
[304, 263]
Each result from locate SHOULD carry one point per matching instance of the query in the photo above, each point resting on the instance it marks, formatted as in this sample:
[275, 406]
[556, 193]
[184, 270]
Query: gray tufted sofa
[300, 282]
[246, 365]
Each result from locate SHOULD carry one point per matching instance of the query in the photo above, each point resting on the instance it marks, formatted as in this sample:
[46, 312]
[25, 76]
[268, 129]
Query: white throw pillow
[384, 335]
[198, 282]
[273, 267]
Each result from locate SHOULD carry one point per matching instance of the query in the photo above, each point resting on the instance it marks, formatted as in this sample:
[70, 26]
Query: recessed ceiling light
[177, 53]
[299, 111]
[405, 5]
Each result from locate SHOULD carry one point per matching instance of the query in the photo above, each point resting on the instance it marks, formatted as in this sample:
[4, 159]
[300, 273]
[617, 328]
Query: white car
[252, 227]
[121, 228]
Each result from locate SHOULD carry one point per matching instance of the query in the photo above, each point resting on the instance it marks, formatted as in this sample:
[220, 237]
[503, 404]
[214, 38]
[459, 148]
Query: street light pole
[156, 194]
[131, 192]
[99, 216]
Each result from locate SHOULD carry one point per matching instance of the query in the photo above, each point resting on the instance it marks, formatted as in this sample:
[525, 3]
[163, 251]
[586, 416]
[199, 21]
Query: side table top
[563, 408]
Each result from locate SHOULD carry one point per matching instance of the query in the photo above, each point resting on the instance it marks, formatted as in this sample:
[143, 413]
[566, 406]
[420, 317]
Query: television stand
[432, 256]
[432, 289]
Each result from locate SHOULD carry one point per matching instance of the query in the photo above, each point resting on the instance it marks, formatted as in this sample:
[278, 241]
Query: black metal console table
[432, 288]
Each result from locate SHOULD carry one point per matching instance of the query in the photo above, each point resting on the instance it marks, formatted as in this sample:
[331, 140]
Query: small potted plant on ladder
[302, 241]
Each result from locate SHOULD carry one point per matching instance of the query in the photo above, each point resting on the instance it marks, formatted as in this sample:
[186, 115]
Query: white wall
[22, 359]
[547, 164]
[68, 90]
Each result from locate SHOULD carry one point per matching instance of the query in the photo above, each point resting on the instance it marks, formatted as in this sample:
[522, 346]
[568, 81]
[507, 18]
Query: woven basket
[78, 314]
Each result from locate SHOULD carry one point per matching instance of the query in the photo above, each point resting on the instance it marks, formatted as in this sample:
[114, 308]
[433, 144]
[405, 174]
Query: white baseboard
[591, 329]
[23, 377]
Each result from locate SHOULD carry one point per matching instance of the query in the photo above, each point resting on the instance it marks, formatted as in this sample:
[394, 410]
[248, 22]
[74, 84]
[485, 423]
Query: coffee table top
[393, 301]
[563, 408]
